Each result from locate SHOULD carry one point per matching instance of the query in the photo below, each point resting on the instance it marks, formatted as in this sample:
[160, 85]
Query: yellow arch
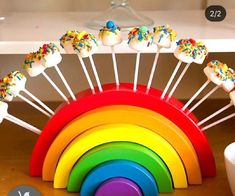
[130, 115]
[119, 132]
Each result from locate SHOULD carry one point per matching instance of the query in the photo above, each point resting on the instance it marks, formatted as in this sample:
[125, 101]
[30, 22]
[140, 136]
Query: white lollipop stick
[22, 124]
[137, 63]
[65, 82]
[215, 113]
[171, 79]
[203, 99]
[178, 80]
[95, 73]
[33, 105]
[196, 94]
[153, 69]
[86, 74]
[218, 121]
[55, 87]
[39, 101]
[115, 66]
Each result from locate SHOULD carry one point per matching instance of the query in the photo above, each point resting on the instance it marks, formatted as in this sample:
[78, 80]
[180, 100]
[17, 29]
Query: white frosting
[9, 97]
[228, 85]
[182, 56]
[138, 45]
[3, 110]
[232, 97]
[211, 75]
[37, 68]
[111, 39]
[17, 85]
[84, 52]
[162, 41]
[199, 59]
[52, 59]
[68, 47]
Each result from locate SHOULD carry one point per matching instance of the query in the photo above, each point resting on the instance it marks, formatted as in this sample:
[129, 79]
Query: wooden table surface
[16, 145]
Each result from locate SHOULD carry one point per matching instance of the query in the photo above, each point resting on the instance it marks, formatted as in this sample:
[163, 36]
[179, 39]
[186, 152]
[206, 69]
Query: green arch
[121, 151]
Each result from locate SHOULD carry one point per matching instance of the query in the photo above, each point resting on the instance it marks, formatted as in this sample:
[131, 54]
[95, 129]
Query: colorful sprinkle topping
[201, 50]
[30, 59]
[10, 80]
[220, 69]
[141, 34]
[3, 94]
[46, 49]
[84, 40]
[68, 37]
[165, 31]
[187, 46]
[110, 27]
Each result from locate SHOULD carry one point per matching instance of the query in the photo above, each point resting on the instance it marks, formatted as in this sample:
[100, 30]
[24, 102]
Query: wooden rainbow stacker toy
[121, 138]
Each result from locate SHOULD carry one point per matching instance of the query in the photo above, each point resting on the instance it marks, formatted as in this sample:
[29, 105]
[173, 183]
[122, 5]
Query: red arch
[125, 96]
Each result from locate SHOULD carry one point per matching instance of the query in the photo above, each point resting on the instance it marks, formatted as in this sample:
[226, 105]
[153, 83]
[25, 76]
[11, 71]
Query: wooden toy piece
[119, 168]
[120, 114]
[119, 132]
[117, 187]
[121, 151]
[124, 96]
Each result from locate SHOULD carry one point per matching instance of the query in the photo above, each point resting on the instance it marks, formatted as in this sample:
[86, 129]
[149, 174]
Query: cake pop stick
[196, 94]
[55, 87]
[218, 122]
[203, 99]
[139, 39]
[85, 44]
[110, 35]
[11, 86]
[34, 65]
[66, 42]
[184, 53]
[51, 54]
[215, 114]
[4, 115]
[219, 74]
[163, 36]
[86, 74]
[232, 102]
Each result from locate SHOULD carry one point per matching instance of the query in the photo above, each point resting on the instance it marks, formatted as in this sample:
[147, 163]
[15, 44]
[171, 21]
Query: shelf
[23, 32]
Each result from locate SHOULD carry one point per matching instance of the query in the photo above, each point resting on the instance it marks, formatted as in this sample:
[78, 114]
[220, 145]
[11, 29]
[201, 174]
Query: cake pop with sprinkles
[51, 54]
[200, 52]
[163, 36]
[185, 50]
[140, 38]
[5, 96]
[66, 41]
[110, 34]
[14, 82]
[216, 72]
[85, 44]
[34, 64]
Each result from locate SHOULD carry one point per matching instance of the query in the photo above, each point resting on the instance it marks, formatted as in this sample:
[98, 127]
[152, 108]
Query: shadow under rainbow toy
[122, 138]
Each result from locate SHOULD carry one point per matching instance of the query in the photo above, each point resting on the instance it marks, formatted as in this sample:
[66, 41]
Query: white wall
[94, 5]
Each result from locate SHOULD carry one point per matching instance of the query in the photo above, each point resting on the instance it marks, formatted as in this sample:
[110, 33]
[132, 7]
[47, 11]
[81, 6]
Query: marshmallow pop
[110, 35]
[34, 64]
[163, 36]
[85, 45]
[66, 41]
[14, 83]
[52, 57]
[216, 73]
[139, 39]
[184, 52]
